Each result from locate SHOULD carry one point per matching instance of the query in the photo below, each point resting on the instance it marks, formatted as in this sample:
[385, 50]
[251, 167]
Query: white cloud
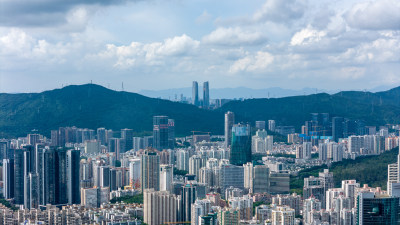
[252, 63]
[234, 36]
[280, 11]
[204, 17]
[155, 53]
[307, 36]
[376, 15]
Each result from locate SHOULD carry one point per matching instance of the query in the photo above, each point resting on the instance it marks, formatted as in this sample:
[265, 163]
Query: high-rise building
[61, 176]
[102, 135]
[195, 93]
[134, 172]
[73, 181]
[166, 178]
[189, 195]
[19, 176]
[241, 144]
[94, 197]
[33, 139]
[206, 95]
[229, 176]
[8, 178]
[127, 135]
[159, 207]
[150, 170]
[229, 121]
[337, 128]
[271, 125]
[283, 215]
[160, 132]
[200, 208]
[375, 209]
[260, 125]
[171, 133]
[31, 191]
[48, 186]
[92, 146]
[244, 205]
[195, 163]
[228, 216]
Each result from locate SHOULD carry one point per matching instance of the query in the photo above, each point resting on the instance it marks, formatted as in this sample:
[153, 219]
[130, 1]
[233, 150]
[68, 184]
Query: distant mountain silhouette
[93, 106]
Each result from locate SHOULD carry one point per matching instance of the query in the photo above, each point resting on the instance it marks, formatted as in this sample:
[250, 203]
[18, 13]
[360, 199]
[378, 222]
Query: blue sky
[344, 44]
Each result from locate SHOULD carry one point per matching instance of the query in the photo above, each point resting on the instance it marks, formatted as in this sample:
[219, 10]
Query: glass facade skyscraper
[160, 132]
[241, 144]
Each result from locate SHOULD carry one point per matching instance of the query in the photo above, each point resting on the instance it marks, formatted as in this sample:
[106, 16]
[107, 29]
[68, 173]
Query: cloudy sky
[162, 44]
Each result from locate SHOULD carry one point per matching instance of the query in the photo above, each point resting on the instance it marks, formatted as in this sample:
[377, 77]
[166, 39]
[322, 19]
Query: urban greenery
[180, 172]
[371, 170]
[129, 199]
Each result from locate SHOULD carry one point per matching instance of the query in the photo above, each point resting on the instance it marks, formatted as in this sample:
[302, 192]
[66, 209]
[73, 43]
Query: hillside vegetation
[371, 170]
[93, 106]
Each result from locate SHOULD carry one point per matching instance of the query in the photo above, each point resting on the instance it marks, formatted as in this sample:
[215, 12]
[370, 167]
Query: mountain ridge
[92, 106]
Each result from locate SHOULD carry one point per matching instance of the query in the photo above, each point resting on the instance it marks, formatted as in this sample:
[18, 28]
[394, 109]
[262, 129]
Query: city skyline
[257, 44]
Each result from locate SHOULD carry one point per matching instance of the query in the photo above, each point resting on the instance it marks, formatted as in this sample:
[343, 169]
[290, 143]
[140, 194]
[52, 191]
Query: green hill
[93, 106]
[359, 169]
[296, 110]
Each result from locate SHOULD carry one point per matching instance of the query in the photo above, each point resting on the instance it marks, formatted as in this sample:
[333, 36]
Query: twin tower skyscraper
[205, 103]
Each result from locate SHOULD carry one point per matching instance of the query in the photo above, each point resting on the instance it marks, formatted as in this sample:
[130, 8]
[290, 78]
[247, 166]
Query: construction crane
[202, 132]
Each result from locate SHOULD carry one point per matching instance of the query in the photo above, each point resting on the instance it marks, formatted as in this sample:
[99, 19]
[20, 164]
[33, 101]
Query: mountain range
[93, 106]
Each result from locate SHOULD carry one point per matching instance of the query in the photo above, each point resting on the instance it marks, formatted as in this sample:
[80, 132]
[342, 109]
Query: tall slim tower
[195, 93]
[150, 170]
[19, 176]
[8, 178]
[229, 121]
[73, 166]
[160, 132]
[206, 95]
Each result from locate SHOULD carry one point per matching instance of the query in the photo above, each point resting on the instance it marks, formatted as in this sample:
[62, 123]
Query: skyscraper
[61, 176]
[189, 196]
[127, 135]
[48, 187]
[8, 178]
[150, 170]
[241, 144]
[19, 176]
[166, 178]
[229, 121]
[159, 207]
[101, 135]
[337, 128]
[73, 166]
[195, 93]
[206, 95]
[171, 133]
[160, 132]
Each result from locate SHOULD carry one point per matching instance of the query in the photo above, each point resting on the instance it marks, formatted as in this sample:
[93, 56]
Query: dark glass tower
[48, 186]
[61, 176]
[19, 176]
[337, 128]
[241, 144]
[160, 132]
[127, 135]
[188, 198]
[73, 166]
[206, 95]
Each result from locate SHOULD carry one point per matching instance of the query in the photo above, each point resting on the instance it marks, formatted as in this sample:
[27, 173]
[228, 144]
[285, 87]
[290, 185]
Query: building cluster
[71, 177]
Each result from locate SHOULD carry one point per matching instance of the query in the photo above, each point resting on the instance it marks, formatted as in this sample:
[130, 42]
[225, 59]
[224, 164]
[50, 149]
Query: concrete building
[159, 207]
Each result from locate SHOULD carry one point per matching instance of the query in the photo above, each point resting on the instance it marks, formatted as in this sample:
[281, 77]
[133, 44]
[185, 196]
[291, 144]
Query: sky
[163, 44]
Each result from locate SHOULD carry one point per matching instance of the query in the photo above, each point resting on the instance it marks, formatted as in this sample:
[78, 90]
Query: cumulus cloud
[376, 15]
[280, 11]
[234, 36]
[307, 36]
[156, 53]
[252, 63]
